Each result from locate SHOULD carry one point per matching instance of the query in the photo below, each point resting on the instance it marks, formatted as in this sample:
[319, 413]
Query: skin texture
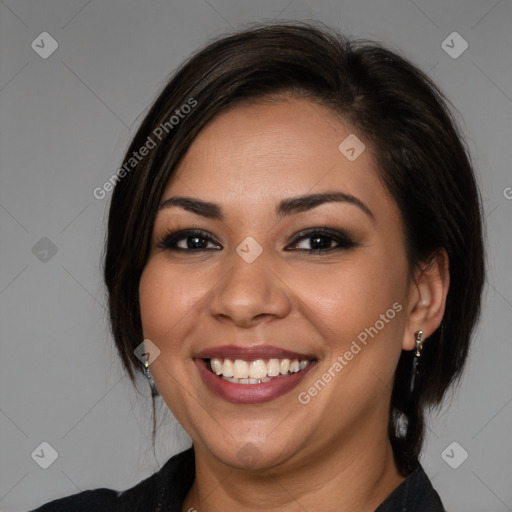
[332, 453]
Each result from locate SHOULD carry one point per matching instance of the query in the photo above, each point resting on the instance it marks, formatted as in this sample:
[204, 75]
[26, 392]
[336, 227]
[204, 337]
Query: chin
[257, 454]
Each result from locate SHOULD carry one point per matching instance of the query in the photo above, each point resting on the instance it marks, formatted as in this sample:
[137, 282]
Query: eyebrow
[197, 206]
[286, 206]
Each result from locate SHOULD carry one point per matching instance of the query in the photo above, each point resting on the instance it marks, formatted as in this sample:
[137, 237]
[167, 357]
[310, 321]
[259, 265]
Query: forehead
[272, 150]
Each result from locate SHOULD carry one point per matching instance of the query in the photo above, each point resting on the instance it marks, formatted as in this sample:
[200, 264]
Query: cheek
[166, 297]
[155, 303]
[358, 307]
[349, 298]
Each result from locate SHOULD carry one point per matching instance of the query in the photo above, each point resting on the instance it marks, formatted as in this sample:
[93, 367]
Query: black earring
[416, 360]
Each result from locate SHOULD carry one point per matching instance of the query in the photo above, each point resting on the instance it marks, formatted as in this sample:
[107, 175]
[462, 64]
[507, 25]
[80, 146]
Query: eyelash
[170, 239]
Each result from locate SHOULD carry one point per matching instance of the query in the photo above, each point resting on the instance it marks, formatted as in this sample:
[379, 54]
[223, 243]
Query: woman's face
[249, 286]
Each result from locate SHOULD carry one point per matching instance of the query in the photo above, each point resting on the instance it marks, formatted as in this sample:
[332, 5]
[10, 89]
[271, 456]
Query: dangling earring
[154, 390]
[415, 362]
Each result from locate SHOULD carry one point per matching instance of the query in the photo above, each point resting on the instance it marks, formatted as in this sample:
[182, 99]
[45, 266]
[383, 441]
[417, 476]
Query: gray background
[65, 122]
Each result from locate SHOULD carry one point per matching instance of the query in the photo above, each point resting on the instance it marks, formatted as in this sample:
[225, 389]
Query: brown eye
[189, 240]
[321, 240]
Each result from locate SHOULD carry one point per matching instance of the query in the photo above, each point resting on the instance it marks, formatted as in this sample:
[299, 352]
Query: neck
[353, 477]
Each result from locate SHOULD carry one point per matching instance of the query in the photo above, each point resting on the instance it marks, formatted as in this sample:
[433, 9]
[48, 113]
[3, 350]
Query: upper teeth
[258, 369]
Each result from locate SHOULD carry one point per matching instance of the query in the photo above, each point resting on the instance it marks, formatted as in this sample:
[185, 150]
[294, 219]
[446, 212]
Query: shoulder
[95, 499]
[414, 494]
[172, 479]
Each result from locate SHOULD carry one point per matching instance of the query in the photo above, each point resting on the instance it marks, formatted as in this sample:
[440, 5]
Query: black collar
[172, 482]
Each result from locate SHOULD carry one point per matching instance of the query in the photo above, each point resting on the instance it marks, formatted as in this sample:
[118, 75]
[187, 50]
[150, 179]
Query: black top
[165, 491]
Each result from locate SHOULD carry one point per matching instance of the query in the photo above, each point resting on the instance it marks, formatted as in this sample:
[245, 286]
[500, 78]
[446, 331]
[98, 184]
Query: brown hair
[421, 155]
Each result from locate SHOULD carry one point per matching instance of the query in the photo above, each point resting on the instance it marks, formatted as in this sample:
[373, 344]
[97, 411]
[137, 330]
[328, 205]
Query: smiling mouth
[240, 371]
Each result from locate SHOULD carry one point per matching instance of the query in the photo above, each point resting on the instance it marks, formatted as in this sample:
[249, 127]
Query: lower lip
[250, 393]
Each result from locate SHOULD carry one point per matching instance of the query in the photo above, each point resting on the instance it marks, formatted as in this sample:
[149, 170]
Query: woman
[295, 261]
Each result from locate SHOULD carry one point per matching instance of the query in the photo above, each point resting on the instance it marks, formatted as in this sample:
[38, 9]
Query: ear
[427, 298]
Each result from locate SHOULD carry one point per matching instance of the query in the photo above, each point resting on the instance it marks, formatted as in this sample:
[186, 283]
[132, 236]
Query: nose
[250, 293]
